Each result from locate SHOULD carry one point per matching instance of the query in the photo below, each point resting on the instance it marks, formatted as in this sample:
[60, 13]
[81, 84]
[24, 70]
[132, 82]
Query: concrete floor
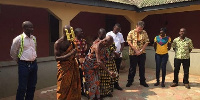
[137, 92]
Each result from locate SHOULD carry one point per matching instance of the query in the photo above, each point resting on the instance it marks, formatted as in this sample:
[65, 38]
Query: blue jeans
[161, 61]
[27, 79]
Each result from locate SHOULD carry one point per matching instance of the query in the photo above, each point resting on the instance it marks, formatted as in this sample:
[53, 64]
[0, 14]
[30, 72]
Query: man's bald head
[101, 33]
[26, 24]
[67, 27]
[108, 40]
[27, 27]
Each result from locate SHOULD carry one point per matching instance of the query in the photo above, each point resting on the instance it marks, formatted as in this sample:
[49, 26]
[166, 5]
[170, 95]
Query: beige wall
[194, 60]
[150, 60]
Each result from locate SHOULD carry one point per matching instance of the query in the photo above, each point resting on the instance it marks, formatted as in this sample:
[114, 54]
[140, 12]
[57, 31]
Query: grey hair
[140, 23]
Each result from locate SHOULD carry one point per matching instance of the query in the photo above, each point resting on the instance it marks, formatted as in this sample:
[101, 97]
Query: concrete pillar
[134, 18]
[64, 16]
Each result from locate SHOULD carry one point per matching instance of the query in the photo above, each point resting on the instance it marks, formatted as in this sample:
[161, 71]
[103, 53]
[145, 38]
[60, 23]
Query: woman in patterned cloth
[107, 82]
[96, 58]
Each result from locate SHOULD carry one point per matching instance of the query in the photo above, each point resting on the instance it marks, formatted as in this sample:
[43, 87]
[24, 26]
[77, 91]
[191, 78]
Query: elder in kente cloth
[106, 81]
[96, 57]
[119, 43]
[81, 47]
[68, 76]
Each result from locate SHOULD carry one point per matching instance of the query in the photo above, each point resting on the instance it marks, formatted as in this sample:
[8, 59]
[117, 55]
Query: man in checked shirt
[182, 46]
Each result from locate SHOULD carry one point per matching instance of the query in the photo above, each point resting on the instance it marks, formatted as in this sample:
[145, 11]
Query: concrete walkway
[137, 92]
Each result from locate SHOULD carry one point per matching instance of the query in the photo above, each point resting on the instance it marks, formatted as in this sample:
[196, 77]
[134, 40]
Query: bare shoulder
[57, 42]
[94, 47]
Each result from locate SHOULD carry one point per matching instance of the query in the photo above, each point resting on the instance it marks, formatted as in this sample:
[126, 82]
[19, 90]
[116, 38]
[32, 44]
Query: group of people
[94, 71]
[138, 40]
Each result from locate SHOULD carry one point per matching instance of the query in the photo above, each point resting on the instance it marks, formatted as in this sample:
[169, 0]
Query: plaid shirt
[81, 47]
[182, 47]
[137, 40]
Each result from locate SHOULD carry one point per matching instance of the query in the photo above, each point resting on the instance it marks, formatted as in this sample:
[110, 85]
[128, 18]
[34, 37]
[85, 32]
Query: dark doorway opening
[54, 32]
[110, 22]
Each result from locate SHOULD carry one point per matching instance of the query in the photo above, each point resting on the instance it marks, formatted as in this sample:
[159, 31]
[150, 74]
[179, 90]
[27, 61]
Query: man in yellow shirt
[137, 40]
[162, 44]
[182, 46]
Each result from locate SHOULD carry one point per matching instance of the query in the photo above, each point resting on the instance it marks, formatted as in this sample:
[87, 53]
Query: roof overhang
[99, 3]
[115, 5]
[168, 6]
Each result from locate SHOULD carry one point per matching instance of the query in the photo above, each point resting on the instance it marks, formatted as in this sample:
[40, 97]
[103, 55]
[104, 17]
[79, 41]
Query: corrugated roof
[147, 3]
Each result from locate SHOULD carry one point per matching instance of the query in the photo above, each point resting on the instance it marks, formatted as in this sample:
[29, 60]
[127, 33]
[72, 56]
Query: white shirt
[29, 51]
[118, 39]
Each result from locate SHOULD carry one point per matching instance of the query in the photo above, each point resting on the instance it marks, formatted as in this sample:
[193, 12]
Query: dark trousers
[134, 61]
[81, 78]
[118, 64]
[186, 65]
[161, 61]
[27, 79]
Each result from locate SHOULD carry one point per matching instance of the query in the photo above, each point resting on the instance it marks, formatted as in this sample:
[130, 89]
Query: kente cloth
[162, 41]
[80, 45]
[68, 78]
[106, 81]
[91, 70]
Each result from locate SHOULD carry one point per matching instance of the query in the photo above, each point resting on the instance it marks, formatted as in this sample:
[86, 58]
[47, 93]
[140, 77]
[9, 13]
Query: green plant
[125, 53]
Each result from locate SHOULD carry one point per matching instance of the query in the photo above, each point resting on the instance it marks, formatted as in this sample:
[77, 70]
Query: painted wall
[59, 9]
[11, 18]
[65, 12]
[173, 22]
[92, 22]
[47, 72]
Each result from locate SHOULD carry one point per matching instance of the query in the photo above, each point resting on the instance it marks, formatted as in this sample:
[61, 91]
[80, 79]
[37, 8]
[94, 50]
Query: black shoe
[187, 86]
[110, 95]
[157, 83]
[174, 84]
[102, 96]
[100, 99]
[118, 87]
[128, 84]
[144, 84]
[162, 85]
[111, 90]
[82, 93]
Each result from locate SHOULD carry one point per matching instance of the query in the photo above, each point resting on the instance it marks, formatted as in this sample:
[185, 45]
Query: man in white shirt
[23, 51]
[119, 43]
